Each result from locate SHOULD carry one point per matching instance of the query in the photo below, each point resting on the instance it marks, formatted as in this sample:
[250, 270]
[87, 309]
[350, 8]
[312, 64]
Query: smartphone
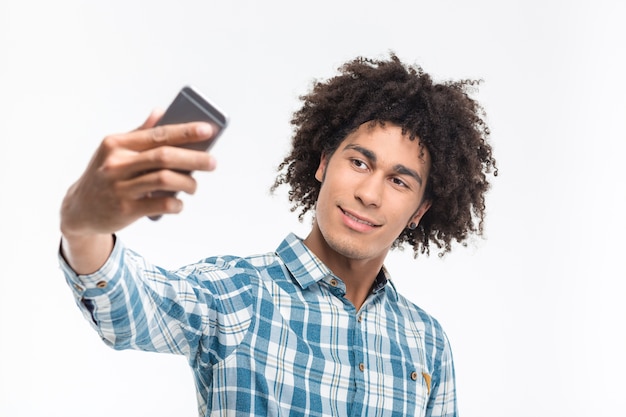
[190, 106]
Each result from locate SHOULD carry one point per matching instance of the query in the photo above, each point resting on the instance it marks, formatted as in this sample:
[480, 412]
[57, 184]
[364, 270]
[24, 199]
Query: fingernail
[212, 164]
[205, 129]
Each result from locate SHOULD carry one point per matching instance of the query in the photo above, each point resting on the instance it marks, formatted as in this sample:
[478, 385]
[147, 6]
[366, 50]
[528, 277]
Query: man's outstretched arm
[117, 187]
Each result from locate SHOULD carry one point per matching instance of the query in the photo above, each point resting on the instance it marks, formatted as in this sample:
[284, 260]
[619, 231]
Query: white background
[535, 312]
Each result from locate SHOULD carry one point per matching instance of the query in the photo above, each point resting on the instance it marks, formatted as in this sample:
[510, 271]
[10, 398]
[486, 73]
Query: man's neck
[358, 275]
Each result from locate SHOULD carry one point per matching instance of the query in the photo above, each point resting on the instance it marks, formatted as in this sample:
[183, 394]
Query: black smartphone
[190, 106]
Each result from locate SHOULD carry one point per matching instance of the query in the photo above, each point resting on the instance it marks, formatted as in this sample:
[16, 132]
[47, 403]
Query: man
[386, 158]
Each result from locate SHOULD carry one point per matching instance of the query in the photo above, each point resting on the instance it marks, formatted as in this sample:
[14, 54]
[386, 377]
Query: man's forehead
[368, 129]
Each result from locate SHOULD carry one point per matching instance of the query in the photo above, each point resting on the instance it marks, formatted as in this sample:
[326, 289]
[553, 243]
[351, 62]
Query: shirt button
[414, 376]
[101, 284]
[78, 287]
[361, 367]
[333, 282]
[360, 318]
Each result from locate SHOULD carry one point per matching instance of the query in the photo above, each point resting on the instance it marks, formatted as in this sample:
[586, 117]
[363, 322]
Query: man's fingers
[158, 184]
[155, 207]
[167, 135]
[169, 158]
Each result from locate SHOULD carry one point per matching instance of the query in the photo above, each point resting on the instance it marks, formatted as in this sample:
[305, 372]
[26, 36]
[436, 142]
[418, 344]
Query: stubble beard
[346, 246]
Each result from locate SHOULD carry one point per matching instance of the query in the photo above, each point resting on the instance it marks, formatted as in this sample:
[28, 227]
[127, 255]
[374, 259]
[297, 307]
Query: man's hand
[116, 188]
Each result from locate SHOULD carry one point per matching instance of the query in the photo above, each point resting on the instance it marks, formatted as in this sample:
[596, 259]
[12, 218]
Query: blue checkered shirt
[273, 335]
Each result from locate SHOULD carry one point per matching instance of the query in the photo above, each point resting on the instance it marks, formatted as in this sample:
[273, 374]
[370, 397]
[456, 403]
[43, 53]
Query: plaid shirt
[272, 335]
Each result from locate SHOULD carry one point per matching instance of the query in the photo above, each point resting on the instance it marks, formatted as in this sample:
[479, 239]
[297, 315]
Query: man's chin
[352, 248]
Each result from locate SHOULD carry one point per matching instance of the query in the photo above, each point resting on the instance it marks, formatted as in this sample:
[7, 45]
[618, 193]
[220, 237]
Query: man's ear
[421, 210]
[321, 169]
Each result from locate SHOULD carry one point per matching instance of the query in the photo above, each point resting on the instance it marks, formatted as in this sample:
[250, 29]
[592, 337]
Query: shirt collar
[307, 268]
[381, 280]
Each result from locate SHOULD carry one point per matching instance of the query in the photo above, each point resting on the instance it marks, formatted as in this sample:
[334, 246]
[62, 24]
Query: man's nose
[370, 190]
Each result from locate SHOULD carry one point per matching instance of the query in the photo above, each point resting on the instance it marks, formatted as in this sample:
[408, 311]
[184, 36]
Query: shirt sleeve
[442, 401]
[135, 305]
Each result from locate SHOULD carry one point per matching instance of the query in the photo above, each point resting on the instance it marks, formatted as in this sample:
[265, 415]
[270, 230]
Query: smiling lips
[357, 222]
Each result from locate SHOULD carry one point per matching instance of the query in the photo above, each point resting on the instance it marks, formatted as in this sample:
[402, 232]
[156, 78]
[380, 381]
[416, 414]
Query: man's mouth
[358, 219]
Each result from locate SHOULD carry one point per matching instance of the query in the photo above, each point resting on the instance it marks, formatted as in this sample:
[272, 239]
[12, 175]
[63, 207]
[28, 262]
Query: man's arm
[116, 188]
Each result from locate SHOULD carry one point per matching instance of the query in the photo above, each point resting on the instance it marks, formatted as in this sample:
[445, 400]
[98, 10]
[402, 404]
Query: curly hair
[441, 116]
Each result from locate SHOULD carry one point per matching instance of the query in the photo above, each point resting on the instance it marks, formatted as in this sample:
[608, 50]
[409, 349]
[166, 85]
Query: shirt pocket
[397, 386]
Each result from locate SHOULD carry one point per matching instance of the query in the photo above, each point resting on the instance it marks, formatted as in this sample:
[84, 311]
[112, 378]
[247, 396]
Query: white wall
[535, 311]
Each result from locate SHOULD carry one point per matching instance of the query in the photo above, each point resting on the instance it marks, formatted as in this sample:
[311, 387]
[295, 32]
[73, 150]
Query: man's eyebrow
[400, 169]
[366, 152]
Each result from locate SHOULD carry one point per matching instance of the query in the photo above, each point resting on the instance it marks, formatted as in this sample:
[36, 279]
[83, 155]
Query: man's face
[372, 188]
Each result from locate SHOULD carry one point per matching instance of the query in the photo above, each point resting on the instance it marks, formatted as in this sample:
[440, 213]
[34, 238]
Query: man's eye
[359, 164]
[399, 182]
